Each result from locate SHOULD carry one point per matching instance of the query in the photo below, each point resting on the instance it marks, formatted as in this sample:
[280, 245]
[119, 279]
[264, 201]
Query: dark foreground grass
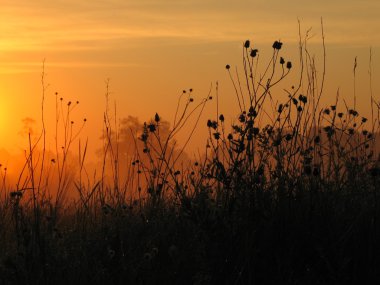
[314, 236]
[294, 201]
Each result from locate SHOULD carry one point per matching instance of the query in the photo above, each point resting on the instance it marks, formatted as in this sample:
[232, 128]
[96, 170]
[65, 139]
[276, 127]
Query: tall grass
[288, 194]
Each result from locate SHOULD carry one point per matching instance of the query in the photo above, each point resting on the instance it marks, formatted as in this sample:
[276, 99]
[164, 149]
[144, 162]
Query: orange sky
[152, 50]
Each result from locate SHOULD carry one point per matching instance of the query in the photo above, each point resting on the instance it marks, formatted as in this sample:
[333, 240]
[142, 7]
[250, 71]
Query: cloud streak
[110, 26]
[59, 24]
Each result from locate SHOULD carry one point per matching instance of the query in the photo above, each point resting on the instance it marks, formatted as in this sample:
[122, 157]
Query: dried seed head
[277, 45]
[254, 53]
[242, 118]
[156, 118]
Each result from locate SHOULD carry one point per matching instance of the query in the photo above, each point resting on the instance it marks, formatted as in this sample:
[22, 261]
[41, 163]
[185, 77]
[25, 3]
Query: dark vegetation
[291, 201]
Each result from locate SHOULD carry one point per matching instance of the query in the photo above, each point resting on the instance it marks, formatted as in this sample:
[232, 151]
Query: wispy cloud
[99, 25]
[58, 24]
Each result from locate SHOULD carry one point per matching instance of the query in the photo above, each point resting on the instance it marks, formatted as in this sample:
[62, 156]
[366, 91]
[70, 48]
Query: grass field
[289, 201]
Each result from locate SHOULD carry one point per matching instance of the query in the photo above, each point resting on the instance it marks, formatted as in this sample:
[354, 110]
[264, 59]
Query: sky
[149, 51]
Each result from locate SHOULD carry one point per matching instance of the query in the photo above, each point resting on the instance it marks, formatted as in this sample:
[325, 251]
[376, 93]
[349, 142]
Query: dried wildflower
[282, 61]
[317, 139]
[217, 135]
[144, 137]
[330, 131]
[237, 129]
[277, 45]
[191, 100]
[230, 137]
[364, 120]
[152, 128]
[295, 101]
[254, 53]
[288, 65]
[340, 115]
[212, 124]
[303, 98]
[256, 131]
[326, 111]
[280, 108]
[299, 109]
[242, 118]
[333, 107]
[252, 112]
[247, 44]
[191, 90]
[365, 132]
[288, 137]
[351, 131]
[353, 112]
[228, 66]
[156, 118]
[221, 118]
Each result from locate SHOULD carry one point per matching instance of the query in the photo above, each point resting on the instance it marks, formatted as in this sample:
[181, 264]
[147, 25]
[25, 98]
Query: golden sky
[152, 50]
